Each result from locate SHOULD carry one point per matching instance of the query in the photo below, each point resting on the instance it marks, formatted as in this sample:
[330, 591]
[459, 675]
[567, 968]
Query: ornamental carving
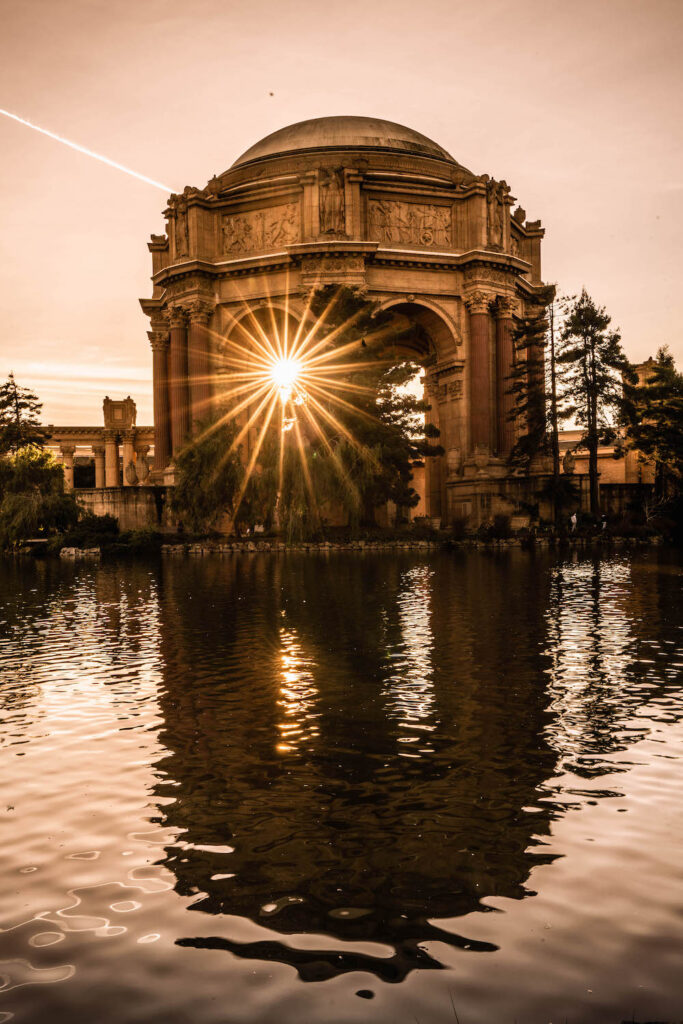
[177, 212]
[331, 200]
[200, 311]
[505, 307]
[257, 230]
[496, 194]
[410, 223]
[177, 316]
[478, 302]
[158, 340]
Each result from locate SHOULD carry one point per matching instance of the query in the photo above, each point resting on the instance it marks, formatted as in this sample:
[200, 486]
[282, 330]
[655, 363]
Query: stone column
[159, 341]
[67, 451]
[98, 452]
[178, 391]
[433, 466]
[129, 474]
[111, 459]
[480, 372]
[199, 363]
[505, 402]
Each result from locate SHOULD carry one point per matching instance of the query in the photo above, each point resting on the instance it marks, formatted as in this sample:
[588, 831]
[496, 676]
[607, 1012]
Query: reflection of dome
[344, 133]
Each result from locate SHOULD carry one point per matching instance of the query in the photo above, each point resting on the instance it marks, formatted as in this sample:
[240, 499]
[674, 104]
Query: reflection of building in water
[343, 837]
[409, 688]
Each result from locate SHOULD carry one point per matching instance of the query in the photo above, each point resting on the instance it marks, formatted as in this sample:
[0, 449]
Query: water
[342, 788]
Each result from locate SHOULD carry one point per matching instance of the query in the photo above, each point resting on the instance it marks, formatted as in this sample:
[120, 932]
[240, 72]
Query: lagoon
[340, 787]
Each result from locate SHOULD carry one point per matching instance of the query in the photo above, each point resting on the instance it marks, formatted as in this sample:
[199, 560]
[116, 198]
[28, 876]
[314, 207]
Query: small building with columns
[374, 205]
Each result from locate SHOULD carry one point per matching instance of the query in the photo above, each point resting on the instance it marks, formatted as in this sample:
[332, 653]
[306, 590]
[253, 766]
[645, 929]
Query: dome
[343, 133]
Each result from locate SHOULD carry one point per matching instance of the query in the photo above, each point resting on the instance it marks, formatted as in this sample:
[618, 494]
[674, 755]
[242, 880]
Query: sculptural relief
[181, 240]
[496, 192]
[256, 230]
[331, 192]
[410, 223]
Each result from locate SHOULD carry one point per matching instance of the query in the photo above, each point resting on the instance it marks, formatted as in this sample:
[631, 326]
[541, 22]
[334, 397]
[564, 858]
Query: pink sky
[576, 104]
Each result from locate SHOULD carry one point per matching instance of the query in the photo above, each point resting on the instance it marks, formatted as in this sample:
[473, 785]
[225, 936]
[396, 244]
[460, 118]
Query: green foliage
[208, 476]
[33, 502]
[653, 417]
[92, 531]
[19, 411]
[526, 382]
[594, 369]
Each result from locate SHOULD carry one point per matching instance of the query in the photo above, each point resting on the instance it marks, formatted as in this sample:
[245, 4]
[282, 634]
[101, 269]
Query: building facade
[368, 204]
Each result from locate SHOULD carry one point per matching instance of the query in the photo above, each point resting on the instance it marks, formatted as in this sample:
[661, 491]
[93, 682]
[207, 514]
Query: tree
[527, 385]
[19, 411]
[208, 473]
[653, 418]
[594, 369]
[33, 501]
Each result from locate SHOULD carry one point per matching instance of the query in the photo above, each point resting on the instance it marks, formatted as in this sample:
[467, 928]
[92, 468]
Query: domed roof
[342, 133]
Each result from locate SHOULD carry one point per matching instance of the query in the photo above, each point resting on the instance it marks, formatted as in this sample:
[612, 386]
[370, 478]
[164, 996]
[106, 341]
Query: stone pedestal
[111, 459]
[98, 453]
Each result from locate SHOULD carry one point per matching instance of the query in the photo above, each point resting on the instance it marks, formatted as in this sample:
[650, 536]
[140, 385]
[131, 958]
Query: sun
[284, 374]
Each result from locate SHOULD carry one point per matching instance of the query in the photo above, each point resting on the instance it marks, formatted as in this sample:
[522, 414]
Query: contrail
[88, 152]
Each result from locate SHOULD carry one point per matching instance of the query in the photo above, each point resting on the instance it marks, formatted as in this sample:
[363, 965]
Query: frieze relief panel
[393, 221]
[257, 230]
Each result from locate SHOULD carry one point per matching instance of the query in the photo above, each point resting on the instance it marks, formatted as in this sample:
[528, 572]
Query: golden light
[284, 374]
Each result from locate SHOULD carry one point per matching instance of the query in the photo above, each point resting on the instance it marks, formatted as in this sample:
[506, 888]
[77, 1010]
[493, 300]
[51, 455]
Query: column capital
[177, 316]
[110, 435]
[129, 434]
[478, 302]
[98, 450]
[67, 450]
[200, 311]
[158, 340]
[505, 307]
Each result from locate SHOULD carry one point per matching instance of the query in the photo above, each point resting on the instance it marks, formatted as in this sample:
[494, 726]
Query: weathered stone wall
[134, 508]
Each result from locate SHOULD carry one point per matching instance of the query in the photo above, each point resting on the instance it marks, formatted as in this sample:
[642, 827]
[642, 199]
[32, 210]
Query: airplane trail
[88, 152]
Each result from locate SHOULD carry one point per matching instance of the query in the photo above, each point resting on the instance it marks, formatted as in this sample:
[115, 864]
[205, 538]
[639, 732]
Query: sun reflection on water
[298, 695]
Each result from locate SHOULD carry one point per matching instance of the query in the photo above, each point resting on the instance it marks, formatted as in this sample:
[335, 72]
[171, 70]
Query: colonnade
[106, 454]
[491, 428]
[183, 392]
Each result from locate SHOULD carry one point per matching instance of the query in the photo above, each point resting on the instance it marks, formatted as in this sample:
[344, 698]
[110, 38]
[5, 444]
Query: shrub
[92, 531]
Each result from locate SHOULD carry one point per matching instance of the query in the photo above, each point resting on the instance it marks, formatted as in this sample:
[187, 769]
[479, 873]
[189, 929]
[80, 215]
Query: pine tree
[594, 369]
[19, 412]
[526, 382]
[653, 418]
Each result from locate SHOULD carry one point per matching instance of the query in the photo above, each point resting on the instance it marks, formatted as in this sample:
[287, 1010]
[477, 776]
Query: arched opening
[410, 338]
[428, 340]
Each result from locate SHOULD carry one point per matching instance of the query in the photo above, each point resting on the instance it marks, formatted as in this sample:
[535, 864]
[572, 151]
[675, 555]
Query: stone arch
[439, 359]
[439, 324]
